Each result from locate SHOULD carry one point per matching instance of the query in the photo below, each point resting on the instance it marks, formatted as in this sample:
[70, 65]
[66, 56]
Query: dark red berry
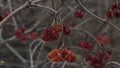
[45, 35]
[106, 55]
[18, 33]
[89, 47]
[66, 30]
[114, 5]
[109, 14]
[78, 13]
[116, 13]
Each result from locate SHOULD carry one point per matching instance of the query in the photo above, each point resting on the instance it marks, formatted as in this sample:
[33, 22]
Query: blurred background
[14, 53]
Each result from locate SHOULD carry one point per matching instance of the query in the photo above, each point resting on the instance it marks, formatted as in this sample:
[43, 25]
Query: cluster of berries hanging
[57, 55]
[78, 13]
[103, 39]
[52, 33]
[114, 10]
[19, 33]
[97, 60]
[86, 45]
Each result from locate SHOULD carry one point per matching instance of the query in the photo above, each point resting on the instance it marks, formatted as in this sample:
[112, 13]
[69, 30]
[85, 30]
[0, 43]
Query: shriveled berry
[58, 27]
[45, 35]
[54, 34]
[55, 56]
[70, 57]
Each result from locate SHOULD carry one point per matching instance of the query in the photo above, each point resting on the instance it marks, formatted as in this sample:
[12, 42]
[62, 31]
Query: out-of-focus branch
[97, 17]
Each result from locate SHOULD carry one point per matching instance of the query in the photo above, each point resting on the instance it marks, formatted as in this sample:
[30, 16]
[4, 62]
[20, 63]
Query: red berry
[89, 47]
[106, 55]
[45, 35]
[78, 13]
[114, 5]
[63, 52]
[99, 38]
[83, 44]
[18, 33]
[66, 30]
[58, 27]
[116, 13]
[70, 57]
[32, 35]
[54, 34]
[106, 39]
[109, 14]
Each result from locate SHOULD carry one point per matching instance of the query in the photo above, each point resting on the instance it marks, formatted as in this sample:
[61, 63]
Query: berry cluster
[78, 13]
[103, 39]
[52, 33]
[61, 55]
[114, 10]
[86, 45]
[19, 33]
[98, 60]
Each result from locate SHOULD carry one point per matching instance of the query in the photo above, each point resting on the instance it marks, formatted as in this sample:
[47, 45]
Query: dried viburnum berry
[58, 27]
[54, 55]
[66, 30]
[63, 52]
[70, 57]
[45, 35]
[109, 14]
[54, 34]
[78, 13]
